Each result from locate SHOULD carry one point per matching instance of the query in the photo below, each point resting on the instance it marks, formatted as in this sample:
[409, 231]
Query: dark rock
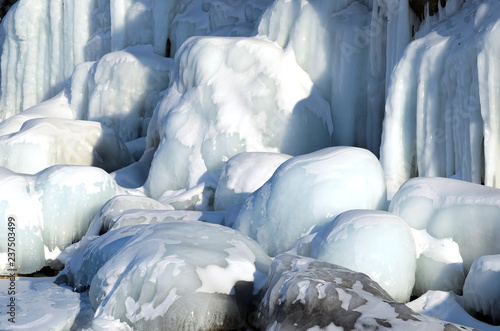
[302, 293]
[418, 6]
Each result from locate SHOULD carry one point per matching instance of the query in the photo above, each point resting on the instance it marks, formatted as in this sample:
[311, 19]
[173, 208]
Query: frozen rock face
[441, 109]
[44, 41]
[447, 208]
[482, 290]
[53, 141]
[45, 306]
[104, 91]
[243, 174]
[51, 210]
[439, 264]
[376, 243]
[308, 191]
[180, 275]
[303, 293]
[231, 95]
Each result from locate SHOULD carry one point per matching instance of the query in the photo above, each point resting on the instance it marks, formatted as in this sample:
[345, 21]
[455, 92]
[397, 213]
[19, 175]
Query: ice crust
[376, 243]
[173, 275]
[52, 210]
[449, 208]
[308, 191]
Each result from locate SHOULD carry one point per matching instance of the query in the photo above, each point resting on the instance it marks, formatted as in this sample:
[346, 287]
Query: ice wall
[442, 101]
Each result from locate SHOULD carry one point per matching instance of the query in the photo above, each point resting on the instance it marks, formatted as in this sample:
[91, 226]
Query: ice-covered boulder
[449, 307]
[231, 95]
[439, 264]
[243, 174]
[441, 109]
[482, 289]
[447, 208]
[42, 306]
[49, 211]
[54, 141]
[376, 243]
[307, 294]
[106, 92]
[180, 275]
[308, 191]
[118, 204]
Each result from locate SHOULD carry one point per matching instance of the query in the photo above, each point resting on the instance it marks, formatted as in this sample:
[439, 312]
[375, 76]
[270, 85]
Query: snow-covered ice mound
[243, 174]
[449, 307]
[53, 141]
[439, 264]
[51, 210]
[231, 95]
[178, 275]
[308, 191]
[447, 208]
[376, 243]
[482, 289]
[304, 293]
[44, 306]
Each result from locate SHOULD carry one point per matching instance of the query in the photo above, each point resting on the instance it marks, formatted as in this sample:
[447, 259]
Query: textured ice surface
[52, 209]
[243, 174]
[442, 101]
[308, 191]
[180, 275]
[121, 90]
[199, 197]
[449, 307]
[231, 95]
[53, 141]
[482, 289]
[115, 206]
[447, 208]
[304, 293]
[439, 264]
[376, 243]
[40, 306]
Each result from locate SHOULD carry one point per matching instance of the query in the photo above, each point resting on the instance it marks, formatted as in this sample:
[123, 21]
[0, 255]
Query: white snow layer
[376, 243]
[173, 275]
[308, 191]
[51, 210]
[449, 208]
[443, 101]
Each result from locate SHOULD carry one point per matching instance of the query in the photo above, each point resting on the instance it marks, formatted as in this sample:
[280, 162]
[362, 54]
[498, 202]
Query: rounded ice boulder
[308, 191]
[180, 275]
[376, 243]
[482, 289]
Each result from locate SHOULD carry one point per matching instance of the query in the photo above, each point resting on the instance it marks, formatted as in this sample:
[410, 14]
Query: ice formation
[442, 101]
[481, 289]
[176, 275]
[308, 191]
[439, 264]
[53, 141]
[303, 293]
[376, 243]
[43, 306]
[449, 208]
[51, 209]
[231, 95]
[243, 174]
